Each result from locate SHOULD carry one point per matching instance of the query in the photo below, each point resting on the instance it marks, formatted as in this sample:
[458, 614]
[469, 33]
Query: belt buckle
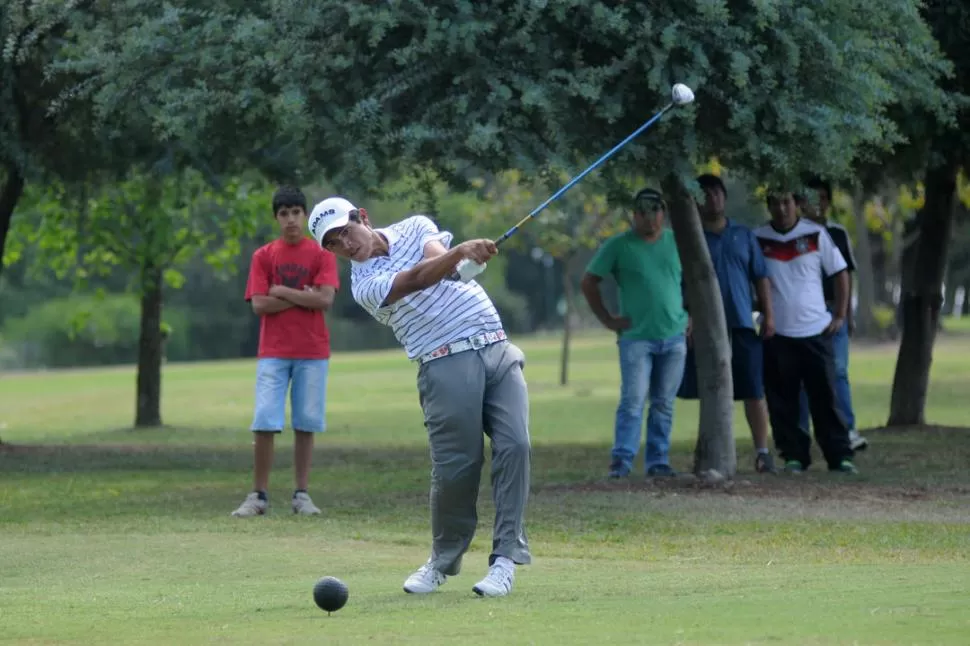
[478, 342]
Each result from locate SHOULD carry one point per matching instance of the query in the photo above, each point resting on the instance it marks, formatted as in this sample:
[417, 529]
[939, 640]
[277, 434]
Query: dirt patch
[935, 429]
[773, 487]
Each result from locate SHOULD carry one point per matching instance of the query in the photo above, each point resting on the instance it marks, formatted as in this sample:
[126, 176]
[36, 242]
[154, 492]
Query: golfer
[470, 380]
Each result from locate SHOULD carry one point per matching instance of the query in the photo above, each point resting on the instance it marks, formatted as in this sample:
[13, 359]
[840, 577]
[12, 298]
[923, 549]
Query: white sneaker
[425, 580]
[303, 505]
[251, 506]
[857, 442]
[498, 581]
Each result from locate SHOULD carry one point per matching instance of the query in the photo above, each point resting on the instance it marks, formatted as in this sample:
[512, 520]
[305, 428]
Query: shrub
[80, 330]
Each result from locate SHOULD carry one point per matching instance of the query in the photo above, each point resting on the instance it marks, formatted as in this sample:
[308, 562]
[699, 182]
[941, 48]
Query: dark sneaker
[618, 470]
[857, 442]
[764, 463]
[794, 467]
[661, 471]
[845, 466]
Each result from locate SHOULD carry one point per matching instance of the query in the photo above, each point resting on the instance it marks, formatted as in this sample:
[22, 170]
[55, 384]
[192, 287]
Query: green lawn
[109, 535]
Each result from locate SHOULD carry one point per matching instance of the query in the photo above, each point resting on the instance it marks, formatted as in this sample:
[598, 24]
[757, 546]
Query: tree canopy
[359, 93]
[358, 90]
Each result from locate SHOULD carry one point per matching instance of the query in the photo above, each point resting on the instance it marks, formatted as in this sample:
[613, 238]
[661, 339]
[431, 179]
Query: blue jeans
[654, 369]
[843, 394]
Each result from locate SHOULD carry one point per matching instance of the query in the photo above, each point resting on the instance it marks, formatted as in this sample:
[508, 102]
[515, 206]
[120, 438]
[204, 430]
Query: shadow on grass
[381, 493]
[905, 464]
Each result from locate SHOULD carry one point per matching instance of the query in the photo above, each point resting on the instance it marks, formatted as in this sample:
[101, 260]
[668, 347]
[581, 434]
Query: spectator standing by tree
[739, 264]
[292, 282]
[650, 330]
[797, 252]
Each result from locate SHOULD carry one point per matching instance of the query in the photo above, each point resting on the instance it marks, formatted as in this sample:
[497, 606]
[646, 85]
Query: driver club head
[681, 94]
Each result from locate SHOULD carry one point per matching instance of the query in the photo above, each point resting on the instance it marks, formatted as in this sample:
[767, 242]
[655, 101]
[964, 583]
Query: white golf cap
[331, 213]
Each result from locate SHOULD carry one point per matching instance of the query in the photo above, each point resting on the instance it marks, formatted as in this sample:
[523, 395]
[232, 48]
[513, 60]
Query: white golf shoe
[425, 580]
[498, 581]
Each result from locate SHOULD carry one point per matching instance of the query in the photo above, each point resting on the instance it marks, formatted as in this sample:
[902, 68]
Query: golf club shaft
[555, 196]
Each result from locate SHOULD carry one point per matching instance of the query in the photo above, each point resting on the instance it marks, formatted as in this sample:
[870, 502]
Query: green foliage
[135, 64]
[424, 192]
[358, 90]
[565, 231]
[884, 316]
[930, 135]
[743, 204]
[31, 38]
[512, 306]
[950, 24]
[148, 224]
[579, 220]
[19, 240]
[81, 330]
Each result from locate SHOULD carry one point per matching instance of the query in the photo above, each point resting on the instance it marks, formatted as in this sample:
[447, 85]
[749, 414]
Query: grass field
[109, 535]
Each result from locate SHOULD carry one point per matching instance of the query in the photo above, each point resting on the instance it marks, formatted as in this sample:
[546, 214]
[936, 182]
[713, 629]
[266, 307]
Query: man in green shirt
[650, 331]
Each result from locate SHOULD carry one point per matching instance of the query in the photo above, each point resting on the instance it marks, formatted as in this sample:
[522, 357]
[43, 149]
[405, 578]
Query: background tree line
[52, 319]
[140, 143]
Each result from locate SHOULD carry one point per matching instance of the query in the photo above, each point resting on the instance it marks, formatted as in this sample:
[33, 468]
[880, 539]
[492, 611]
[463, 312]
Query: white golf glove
[468, 269]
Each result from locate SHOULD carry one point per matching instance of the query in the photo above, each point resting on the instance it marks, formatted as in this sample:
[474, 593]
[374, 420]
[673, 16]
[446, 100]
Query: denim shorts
[306, 380]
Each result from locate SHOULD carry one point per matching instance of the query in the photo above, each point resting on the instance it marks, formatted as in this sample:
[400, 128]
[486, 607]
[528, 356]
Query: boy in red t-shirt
[292, 282]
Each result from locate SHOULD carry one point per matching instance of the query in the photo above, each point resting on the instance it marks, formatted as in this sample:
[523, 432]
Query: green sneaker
[794, 467]
[847, 467]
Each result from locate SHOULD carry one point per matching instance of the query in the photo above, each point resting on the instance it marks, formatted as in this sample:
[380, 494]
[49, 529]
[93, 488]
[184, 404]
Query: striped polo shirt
[423, 321]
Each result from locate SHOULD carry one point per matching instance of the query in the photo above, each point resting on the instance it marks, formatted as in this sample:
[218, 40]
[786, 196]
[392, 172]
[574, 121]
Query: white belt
[476, 342]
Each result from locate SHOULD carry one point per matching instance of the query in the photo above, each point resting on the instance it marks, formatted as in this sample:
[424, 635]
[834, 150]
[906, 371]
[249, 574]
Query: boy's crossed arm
[281, 298]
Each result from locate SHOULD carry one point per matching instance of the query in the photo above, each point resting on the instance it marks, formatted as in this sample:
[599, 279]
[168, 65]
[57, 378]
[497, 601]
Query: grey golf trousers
[464, 397]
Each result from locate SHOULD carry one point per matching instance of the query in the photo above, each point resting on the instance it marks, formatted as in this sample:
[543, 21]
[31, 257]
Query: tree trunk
[715, 438]
[149, 386]
[567, 326]
[921, 297]
[865, 322]
[13, 188]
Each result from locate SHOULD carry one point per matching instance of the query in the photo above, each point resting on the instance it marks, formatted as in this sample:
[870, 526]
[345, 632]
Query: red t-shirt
[295, 333]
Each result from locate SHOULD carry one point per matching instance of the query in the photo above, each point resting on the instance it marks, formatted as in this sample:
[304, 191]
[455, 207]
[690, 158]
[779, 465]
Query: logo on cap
[315, 222]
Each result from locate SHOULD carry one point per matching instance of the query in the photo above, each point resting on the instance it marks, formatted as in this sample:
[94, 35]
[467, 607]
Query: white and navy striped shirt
[423, 321]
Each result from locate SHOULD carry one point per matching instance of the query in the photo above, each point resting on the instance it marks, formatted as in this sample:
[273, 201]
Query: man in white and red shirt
[798, 253]
[292, 282]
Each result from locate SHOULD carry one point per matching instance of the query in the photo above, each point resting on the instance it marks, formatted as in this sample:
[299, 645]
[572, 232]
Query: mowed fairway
[109, 535]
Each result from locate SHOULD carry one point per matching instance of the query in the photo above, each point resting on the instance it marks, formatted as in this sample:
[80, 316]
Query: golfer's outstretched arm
[423, 275]
[435, 269]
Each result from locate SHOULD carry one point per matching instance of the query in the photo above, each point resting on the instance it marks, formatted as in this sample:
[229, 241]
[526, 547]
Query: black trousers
[790, 363]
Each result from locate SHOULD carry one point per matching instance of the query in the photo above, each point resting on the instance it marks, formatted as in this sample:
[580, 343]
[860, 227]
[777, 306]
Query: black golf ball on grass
[330, 594]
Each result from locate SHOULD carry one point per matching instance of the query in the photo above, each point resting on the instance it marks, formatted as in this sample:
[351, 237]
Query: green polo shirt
[648, 275]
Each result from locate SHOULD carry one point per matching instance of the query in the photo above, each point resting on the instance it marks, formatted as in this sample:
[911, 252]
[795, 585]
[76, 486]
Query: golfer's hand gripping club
[476, 253]
[468, 269]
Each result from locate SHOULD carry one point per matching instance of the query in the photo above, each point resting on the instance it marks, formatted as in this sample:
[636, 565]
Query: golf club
[680, 95]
